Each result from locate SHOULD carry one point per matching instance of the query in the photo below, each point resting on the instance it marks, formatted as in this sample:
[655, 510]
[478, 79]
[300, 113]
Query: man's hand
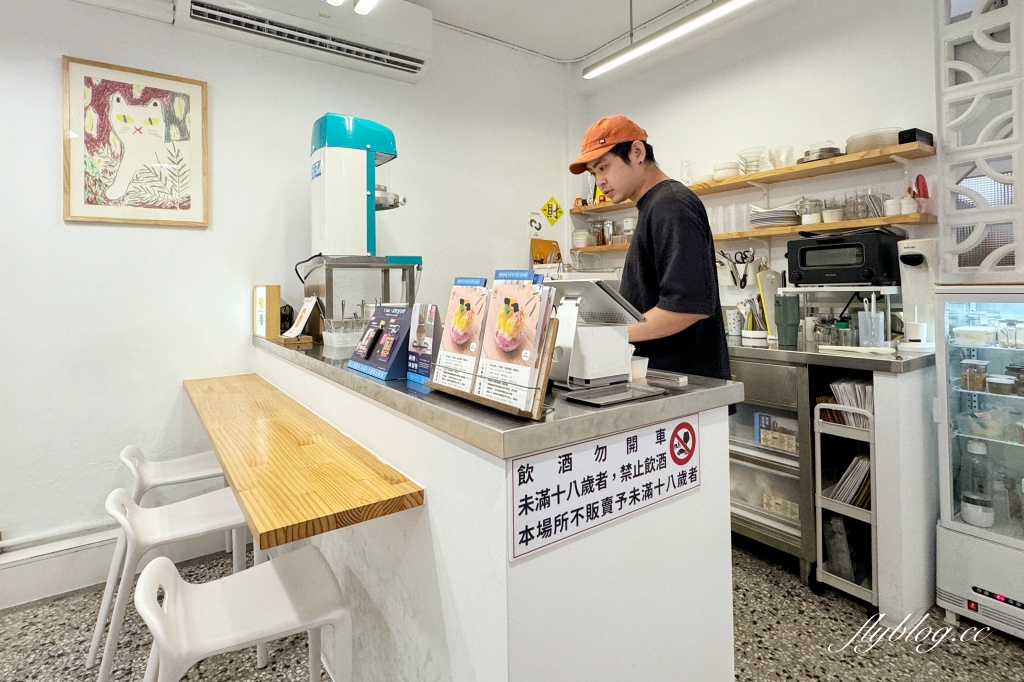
[661, 323]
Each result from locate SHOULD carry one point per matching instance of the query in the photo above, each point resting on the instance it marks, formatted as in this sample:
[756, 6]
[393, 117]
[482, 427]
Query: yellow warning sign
[552, 211]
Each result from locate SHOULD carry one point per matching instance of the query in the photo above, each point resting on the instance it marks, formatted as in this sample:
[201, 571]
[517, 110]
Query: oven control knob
[796, 275]
[868, 274]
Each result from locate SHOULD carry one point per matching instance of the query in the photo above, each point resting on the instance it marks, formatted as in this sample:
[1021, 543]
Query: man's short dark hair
[622, 150]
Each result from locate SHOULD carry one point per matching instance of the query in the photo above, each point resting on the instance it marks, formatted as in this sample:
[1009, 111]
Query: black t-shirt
[671, 264]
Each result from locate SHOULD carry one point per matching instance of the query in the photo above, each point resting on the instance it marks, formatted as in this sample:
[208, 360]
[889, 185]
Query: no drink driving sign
[558, 494]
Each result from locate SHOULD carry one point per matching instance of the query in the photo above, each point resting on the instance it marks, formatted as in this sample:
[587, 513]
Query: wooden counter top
[294, 474]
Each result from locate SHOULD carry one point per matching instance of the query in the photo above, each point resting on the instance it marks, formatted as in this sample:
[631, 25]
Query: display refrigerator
[980, 541]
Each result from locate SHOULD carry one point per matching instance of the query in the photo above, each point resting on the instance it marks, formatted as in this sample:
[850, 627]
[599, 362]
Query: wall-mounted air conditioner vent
[393, 41]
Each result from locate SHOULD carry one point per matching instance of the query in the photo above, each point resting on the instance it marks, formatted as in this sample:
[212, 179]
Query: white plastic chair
[286, 595]
[148, 474]
[144, 528]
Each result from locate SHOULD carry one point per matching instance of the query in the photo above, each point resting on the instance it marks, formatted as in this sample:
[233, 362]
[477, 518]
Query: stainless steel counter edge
[901, 362]
[502, 435]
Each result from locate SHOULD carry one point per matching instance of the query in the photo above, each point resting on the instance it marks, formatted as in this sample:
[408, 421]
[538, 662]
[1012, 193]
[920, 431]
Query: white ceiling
[560, 29]
[564, 30]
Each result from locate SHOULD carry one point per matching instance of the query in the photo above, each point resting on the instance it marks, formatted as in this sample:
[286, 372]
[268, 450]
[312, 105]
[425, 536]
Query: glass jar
[972, 374]
[824, 335]
[844, 335]
[1010, 335]
[597, 230]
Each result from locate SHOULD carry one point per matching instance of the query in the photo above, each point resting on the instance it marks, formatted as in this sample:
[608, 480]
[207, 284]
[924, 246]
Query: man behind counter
[669, 272]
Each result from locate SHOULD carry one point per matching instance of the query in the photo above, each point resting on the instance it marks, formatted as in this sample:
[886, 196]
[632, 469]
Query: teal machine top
[335, 130]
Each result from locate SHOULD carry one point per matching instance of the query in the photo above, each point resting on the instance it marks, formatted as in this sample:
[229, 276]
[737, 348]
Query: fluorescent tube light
[684, 26]
[365, 6]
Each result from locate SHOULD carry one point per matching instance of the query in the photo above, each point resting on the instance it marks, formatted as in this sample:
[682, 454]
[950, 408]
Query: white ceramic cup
[908, 205]
[891, 207]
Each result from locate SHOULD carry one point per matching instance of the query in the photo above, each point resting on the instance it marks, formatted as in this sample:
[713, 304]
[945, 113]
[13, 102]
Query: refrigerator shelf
[988, 440]
[952, 344]
[986, 394]
[1011, 533]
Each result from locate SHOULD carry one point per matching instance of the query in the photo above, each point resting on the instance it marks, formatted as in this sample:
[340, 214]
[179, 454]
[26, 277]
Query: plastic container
[872, 328]
[975, 336]
[579, 238]
[1017, 372]
[1000, 384]
[638, 368]
[973, 374]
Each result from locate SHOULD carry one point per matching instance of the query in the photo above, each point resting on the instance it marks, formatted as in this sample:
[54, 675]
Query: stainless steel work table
[501, 435]
[807, 353]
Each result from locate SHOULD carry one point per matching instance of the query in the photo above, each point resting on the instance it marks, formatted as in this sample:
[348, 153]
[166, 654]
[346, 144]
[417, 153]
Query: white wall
[105, 321]
[790, 72]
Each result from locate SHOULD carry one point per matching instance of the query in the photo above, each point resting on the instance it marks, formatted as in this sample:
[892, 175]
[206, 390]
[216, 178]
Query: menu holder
[547, 349]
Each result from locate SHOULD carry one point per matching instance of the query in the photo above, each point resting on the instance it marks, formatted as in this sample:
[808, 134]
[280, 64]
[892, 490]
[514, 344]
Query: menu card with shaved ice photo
[459, 354]
[517, 310]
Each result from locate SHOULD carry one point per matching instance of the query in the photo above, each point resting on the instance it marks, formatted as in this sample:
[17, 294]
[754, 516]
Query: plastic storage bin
[975, 336]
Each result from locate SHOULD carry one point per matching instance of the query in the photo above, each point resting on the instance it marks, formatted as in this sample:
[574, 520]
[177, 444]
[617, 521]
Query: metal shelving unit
[825, 503]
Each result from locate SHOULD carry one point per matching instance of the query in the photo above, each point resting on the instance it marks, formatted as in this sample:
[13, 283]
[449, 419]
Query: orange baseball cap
[602, 136]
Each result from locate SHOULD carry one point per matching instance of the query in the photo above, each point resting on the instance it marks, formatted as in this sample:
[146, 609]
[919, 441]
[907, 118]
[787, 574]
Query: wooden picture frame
[134, 146]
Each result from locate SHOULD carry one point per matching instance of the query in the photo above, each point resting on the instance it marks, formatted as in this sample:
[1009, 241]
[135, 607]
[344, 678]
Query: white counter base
[434, 597]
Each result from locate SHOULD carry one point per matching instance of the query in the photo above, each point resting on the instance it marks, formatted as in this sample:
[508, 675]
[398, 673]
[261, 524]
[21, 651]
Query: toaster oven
[858, 258]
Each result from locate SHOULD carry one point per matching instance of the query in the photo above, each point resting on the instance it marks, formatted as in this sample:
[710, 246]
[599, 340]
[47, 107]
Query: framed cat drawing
[134, 146]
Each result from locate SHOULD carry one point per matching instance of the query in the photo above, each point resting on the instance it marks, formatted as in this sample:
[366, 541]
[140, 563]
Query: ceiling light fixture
[685, 26]
[365, 6]
[335, 3]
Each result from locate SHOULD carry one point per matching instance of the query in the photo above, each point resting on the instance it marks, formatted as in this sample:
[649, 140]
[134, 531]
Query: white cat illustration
[140, 128]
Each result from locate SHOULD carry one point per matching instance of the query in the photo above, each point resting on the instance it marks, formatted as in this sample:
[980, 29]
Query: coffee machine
[919, 260]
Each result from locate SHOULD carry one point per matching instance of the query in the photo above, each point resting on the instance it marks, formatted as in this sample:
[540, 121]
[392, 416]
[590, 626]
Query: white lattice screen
[981, 86]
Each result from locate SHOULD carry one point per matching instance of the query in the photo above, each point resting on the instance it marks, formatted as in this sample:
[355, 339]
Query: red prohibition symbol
[683, 443]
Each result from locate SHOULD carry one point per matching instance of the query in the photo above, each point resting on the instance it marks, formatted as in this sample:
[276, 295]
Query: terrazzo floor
[782, 633]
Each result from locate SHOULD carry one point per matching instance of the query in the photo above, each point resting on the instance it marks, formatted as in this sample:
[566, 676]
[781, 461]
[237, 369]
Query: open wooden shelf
[812, 169]
[607, 248]
[906, 219]
[603, 208]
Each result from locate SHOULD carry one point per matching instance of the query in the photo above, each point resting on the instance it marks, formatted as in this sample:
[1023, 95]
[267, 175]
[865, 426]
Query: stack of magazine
[491, 341]
[854, 488]
[854, 393]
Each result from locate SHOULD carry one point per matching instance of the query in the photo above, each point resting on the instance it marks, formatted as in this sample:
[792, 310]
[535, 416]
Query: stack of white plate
[872, 139]
[775, 217]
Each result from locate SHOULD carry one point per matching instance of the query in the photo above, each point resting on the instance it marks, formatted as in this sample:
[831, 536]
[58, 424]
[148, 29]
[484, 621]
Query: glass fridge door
[984, 450]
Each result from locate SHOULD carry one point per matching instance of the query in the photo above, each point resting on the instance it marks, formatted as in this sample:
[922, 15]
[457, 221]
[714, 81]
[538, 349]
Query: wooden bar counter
[294, 475]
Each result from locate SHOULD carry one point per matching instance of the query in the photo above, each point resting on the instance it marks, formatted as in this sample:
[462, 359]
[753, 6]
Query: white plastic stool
[148, 474]
[284, 596]
[144, 528]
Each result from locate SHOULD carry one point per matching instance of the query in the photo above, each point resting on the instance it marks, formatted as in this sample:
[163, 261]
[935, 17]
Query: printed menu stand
[424, 342]
[459, 352]
[536, 409]
[517, 309]
[383, 349]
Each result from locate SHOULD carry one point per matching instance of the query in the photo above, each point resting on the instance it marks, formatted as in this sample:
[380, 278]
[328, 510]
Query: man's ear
[638, 153]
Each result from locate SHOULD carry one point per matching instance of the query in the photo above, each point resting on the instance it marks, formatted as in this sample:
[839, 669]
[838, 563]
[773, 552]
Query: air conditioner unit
[394, 40]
